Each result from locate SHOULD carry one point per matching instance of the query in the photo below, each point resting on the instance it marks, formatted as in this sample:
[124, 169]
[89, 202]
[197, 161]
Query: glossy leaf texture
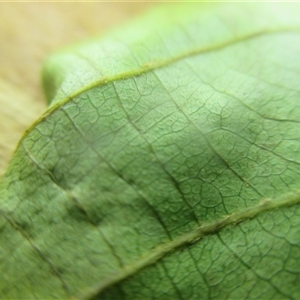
[167, 165]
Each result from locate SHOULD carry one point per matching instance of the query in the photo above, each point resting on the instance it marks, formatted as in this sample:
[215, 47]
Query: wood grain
[28, 33]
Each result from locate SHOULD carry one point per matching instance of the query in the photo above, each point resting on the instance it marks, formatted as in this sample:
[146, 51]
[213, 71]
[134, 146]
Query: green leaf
[167, 165]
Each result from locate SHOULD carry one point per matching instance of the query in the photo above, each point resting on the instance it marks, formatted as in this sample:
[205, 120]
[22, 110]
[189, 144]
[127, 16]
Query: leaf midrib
[188, 238]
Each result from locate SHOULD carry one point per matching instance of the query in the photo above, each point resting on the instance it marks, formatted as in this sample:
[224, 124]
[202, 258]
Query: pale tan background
[28, 33]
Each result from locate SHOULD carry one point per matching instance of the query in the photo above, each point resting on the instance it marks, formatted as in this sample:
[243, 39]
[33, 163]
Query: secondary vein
[154, 65]
[191, 237]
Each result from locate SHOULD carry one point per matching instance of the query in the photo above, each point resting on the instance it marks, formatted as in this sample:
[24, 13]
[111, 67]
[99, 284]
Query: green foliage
[167, 165]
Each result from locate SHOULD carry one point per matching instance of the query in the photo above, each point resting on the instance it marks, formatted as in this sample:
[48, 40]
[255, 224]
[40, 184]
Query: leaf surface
[167, 165]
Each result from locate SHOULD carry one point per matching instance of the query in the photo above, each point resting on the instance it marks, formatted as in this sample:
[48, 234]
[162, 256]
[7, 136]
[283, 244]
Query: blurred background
[28, 33]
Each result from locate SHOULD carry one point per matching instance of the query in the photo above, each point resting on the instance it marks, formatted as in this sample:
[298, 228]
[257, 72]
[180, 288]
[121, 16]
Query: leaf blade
[115, 170]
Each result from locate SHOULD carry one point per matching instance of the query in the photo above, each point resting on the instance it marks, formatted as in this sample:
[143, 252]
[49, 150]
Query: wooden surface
[28, 33]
